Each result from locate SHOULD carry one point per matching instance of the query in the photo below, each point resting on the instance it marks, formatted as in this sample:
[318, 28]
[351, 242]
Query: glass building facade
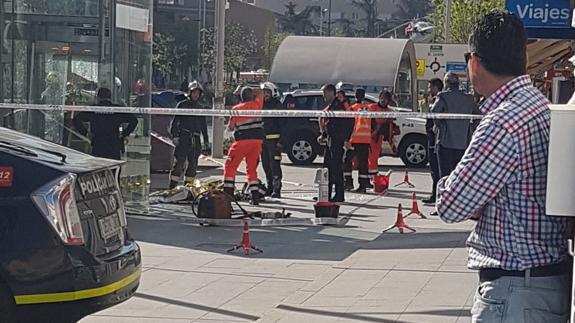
[60, 51]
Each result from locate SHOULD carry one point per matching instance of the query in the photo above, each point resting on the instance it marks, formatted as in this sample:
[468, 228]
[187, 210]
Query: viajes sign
[542, 14]
[544, 19]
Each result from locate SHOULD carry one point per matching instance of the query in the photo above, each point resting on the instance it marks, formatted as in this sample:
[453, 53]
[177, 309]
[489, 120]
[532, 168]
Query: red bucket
[326, 209]
[380, 183]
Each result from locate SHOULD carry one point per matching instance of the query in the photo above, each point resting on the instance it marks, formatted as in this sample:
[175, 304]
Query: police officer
[335, 132]
[272, 147]
[435, 86]
[249, 136]
[360, 140]
[106, 139]
[185, 132]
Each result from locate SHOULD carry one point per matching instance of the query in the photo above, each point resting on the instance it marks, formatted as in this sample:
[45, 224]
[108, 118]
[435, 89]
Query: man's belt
[490, 274]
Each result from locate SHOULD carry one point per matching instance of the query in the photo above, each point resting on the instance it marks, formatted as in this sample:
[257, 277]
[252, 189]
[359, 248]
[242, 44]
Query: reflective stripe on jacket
[248, 127]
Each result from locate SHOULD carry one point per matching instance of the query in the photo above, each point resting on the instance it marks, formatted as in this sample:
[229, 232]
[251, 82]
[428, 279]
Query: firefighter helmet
[195, 85]
[271, 87]
[342, 86]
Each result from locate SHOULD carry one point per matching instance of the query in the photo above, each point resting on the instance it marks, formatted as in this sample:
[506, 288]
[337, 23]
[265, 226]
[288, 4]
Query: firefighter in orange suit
[360, 142]
[249, 136]
[381, 128]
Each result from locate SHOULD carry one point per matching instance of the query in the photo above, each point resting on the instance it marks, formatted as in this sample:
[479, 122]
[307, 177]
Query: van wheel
[413, 151]
[301, 149]
[7, 305]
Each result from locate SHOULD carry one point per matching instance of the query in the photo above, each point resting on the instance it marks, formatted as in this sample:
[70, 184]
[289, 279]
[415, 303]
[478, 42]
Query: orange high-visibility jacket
[362, 128]
[248, 127]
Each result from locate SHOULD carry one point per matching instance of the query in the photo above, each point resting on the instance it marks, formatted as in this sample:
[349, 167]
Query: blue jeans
[523, 300]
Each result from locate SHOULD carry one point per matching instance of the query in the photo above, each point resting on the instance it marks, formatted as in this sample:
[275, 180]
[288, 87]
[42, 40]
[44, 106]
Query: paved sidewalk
[310, 274]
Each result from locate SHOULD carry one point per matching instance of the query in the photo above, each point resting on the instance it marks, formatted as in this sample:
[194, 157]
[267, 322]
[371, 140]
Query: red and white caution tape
[243, 113]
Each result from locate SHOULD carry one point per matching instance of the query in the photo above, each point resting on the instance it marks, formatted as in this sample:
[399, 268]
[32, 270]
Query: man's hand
[322, 140]
[176, 141]
[347, 146]
[477, 215]
[231, 128]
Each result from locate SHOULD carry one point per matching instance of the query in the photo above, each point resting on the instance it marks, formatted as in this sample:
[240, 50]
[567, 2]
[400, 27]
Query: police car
[65, 250]
[302, 147]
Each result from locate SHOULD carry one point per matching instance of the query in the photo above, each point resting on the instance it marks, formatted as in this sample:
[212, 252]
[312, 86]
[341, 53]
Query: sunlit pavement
[352, 273]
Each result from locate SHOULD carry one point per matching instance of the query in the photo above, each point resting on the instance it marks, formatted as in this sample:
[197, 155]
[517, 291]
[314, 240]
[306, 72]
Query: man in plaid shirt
[519, 251]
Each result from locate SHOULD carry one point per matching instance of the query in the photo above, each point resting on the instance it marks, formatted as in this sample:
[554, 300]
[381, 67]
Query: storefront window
[59, 52]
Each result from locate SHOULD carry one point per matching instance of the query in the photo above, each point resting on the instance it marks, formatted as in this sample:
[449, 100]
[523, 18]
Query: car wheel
[413, 151]
[301, 149]
[7, 305]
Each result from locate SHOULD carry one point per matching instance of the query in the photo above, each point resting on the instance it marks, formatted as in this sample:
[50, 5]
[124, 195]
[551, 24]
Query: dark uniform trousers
[187, 151]
[333, 161]
[448, 159]
[271, 161]
[362, 153]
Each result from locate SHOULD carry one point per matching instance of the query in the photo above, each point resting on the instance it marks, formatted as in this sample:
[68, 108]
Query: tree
[346, 28]
[412, 9]
[370, 9]
[299, 23]
[272, 43]
[463, 15]
[169, 54]
[240, 42]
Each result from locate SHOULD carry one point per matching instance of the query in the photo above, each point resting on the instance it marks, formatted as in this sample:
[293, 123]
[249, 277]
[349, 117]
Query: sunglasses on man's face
[468, 56]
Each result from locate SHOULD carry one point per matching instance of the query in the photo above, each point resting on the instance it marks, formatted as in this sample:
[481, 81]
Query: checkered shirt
[501, 180]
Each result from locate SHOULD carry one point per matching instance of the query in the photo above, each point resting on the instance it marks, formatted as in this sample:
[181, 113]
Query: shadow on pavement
[352, 316]
[444, 312]
[210, 309]
[419, 240]
[303, 242]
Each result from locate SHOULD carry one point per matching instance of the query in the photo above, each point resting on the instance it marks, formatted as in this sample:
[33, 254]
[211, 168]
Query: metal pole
[329, 19]
[219, 104]
[199, 43]
[447, 19]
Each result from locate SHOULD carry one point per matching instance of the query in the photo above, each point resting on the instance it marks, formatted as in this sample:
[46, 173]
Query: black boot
[269, 188]
[361, 189]
[348, 186]
[277, 188]
[230, 191]
[255, 197]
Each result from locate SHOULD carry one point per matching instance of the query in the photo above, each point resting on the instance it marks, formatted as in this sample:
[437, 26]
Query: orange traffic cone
[399, 223]
[246, 244]
[415, 208]
[406, 180]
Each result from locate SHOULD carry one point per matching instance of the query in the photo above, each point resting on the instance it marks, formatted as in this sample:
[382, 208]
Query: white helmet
[272, 87]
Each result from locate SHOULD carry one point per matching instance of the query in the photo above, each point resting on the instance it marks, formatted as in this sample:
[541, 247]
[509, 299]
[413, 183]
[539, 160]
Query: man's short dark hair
[499, 41]
[246, 94]
[104, 93]
[437, 83]
[328, 88]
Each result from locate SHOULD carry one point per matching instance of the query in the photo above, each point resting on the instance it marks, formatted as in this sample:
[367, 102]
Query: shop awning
[542, 54]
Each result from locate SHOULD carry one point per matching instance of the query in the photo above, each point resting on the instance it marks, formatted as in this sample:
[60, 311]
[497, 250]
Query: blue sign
[455, 67]
[542, 13]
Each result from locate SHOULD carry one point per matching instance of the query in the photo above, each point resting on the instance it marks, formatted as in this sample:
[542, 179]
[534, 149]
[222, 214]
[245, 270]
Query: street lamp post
[219, 104]
[329, 19]
[447, 19]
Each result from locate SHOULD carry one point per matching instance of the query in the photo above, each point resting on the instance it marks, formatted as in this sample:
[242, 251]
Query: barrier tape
[240, 113]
